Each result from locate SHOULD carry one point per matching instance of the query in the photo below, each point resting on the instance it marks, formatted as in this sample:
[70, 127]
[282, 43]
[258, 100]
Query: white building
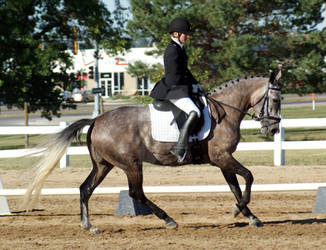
[113, 74]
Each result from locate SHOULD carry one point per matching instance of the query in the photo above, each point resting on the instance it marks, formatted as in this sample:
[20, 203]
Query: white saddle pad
[164, 131]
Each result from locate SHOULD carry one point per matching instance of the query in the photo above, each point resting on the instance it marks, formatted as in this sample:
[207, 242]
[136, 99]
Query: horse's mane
[232, 83]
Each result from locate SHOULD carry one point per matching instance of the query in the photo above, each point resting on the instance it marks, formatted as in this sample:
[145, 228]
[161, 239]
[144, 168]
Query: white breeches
[186, 104]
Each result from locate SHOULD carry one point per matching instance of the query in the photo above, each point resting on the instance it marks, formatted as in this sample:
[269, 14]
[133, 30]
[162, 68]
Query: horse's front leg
[233, 183]
[230, 167]
[135, 182]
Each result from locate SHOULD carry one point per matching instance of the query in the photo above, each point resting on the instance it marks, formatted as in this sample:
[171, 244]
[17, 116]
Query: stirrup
[180, 153]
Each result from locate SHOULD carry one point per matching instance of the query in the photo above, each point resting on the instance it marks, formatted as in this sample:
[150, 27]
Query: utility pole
[26, 122]
[96, 111]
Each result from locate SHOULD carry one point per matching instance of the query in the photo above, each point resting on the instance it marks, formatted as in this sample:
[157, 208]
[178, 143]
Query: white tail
[52, 154]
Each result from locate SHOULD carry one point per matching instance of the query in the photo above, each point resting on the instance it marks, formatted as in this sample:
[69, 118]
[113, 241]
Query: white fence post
[64, 161]
[279, 153]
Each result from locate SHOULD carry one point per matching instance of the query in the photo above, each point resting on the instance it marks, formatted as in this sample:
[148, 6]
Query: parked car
[82, 96]
[66, 95]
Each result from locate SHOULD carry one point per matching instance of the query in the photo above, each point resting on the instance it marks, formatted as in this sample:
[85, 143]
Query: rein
[252, 116]
[221, 104]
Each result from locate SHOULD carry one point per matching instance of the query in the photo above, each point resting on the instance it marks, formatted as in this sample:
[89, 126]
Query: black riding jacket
[178, 80]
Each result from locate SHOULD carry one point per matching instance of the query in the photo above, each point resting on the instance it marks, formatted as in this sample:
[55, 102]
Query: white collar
[177, 41]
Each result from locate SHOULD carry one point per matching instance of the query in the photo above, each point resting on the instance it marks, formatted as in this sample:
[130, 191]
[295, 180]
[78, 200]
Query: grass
[18, 141]
[292, 157]
[246, 158]
[80, 161]
[288, 98]
[304, 112]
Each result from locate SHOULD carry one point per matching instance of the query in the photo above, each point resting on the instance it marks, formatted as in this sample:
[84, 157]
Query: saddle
[179, 115]
[167, 119]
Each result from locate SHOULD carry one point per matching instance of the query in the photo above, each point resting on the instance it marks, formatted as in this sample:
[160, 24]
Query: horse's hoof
[255, 222]
[236, 211]
[171, 224]
[92, 229]
[95, 230]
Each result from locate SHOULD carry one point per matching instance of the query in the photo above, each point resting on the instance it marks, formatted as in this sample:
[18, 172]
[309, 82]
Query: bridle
[265, 98]
[262, 115]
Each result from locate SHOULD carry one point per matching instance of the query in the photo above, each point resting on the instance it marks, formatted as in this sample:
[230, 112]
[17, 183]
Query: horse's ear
[275, 76]
[279, 74]
[272, 77]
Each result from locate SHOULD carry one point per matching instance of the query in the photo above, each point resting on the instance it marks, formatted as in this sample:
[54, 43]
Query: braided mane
[231, 83]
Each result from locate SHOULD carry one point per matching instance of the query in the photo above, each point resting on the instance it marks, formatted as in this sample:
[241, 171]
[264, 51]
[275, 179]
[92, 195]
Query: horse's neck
[240, 97]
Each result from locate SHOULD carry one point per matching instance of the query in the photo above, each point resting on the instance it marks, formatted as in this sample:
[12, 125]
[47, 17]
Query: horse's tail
[52, 151]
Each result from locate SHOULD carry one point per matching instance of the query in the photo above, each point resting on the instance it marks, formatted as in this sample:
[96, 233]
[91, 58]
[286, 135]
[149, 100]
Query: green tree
[35, 36]
[140, 69]
[234, 38]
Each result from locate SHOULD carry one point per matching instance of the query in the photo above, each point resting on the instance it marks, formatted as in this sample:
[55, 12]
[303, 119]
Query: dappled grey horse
[122, 138]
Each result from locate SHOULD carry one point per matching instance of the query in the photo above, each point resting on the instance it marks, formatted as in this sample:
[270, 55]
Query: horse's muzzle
[270, 128]
[275, 131]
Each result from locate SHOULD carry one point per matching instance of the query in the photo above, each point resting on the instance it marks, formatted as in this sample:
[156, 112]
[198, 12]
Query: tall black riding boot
[181, 147]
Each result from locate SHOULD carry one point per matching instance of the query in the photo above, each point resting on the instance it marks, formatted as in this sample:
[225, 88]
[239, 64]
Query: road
[15, 117]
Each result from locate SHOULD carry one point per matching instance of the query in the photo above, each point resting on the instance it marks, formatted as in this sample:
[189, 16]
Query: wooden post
[26, 122]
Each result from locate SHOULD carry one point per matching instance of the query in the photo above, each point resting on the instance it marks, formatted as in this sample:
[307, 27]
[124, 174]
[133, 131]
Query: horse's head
[268, 106]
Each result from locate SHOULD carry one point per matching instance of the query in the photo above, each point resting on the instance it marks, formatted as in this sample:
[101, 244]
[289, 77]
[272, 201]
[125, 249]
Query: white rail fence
[279, 145]
[174, 189]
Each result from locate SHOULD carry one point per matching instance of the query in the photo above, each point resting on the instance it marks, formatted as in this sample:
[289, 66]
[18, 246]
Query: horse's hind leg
[235, 188]
[135, 182]
[98, 173]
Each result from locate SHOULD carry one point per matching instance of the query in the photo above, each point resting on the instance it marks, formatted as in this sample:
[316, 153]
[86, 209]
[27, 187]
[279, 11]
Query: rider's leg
[181, 147]
[186, 105]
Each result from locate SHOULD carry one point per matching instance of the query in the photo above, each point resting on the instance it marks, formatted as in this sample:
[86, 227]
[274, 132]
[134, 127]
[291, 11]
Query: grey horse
[122, 138]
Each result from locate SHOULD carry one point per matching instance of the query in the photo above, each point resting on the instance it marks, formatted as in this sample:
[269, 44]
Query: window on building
[142, 86]
[118, 81]
[122, 80]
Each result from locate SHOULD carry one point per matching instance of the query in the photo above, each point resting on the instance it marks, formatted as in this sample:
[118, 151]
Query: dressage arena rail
[279, 145]
[174, 189]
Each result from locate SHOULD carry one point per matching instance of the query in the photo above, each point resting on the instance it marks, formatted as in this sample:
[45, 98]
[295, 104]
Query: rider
[178, 83]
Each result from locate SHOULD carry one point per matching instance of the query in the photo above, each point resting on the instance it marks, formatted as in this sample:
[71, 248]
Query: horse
[122, 137]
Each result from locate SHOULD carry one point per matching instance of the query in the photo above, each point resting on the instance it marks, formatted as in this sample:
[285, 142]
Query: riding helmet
[179, 24]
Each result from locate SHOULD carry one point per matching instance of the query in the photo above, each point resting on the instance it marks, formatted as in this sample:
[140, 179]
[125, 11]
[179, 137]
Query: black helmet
[179, 24]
